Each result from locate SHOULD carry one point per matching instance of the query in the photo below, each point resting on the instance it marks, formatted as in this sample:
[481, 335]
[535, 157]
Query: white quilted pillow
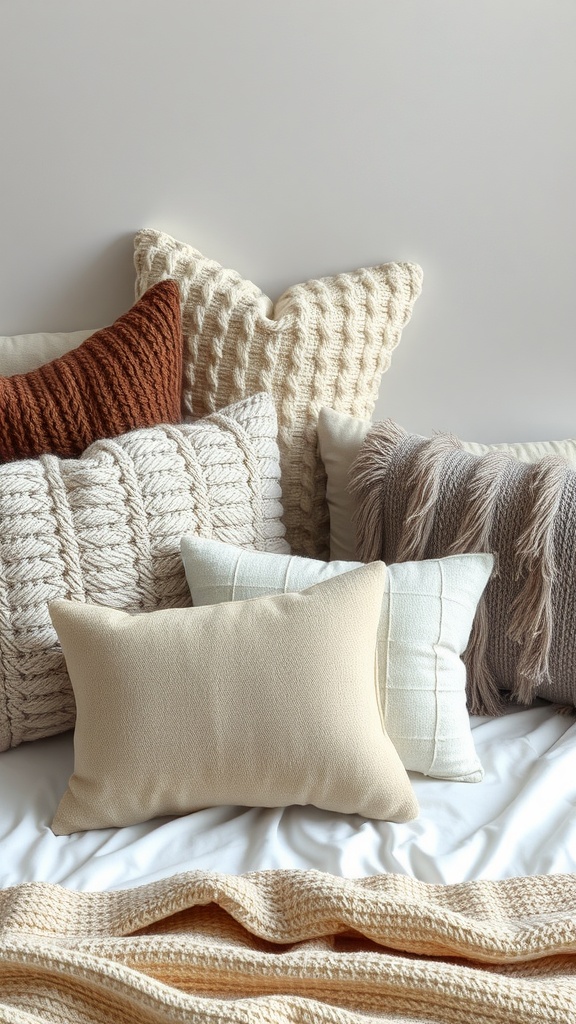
[105, 529]
[425, 622]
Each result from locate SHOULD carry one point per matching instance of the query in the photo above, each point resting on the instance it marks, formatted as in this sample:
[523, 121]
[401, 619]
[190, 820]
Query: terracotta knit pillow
[326, 342]
[426, 498]
[124, 376]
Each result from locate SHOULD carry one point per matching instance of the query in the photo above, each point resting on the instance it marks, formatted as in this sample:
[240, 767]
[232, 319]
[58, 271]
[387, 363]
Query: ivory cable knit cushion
[340, 438]
[261, 703]
[424, 498]
[125, 376]
[425, 622]
[106, 528]
[325, 342]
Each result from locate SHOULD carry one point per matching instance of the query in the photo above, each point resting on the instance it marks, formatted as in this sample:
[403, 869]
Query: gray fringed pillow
[421, 497]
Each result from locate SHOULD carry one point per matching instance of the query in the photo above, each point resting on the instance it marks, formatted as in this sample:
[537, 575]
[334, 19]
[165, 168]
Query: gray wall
[295, 138]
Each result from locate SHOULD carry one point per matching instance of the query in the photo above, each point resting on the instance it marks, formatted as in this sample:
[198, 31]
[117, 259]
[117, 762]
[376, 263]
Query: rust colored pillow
[125, 376]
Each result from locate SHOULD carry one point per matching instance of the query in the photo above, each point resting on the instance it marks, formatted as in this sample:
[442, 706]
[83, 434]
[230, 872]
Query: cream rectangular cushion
[340, 438]
[425, 621]
[264, 703]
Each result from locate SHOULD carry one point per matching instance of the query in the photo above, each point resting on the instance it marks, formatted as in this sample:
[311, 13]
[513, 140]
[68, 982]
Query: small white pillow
[426, 618]
[340, 438]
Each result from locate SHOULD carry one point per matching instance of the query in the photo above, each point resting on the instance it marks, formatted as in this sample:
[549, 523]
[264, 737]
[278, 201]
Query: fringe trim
[366, 482]
[531, 619]
[424, 484]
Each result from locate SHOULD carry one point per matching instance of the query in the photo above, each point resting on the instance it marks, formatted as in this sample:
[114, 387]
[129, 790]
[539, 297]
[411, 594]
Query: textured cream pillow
[106, 528]
[340, 438]
[268, 703]
[24, 352]
[427, 613]
[325, 342]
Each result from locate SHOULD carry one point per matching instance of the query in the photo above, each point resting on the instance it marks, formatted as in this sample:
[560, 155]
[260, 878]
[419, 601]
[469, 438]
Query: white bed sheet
[521, 820]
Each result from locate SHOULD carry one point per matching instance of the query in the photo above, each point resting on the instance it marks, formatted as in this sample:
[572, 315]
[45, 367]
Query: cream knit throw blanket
[106, 529]
[291, 946]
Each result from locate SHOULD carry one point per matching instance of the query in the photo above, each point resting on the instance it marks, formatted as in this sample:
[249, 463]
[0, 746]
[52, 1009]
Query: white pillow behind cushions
[24, 352]
[426, 617]
[106, 528]
[340, 438]
[259, 703]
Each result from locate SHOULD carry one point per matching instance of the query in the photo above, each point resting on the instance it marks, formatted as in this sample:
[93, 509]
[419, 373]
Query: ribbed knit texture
[426, 498]
[106, 529]
[325, 342]
[124, 376]
[291, 947]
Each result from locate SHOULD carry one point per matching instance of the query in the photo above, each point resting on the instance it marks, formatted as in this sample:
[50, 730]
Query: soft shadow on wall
[89, 293]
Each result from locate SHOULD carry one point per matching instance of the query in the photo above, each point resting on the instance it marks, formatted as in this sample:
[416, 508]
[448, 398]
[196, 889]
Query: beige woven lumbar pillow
[106, 528]
[426, 497]
[325, 342]
[267, 702]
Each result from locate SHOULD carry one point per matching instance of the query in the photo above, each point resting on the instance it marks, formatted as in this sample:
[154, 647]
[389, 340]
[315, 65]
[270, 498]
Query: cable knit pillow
[326, 342]
[340, 438]
[106, 528]
[426, 618]
[425, 498]
[262, 703]
[125, 376]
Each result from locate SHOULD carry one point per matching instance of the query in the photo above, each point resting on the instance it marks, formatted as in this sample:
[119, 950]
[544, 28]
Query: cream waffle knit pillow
[106, 528]
[325, 342]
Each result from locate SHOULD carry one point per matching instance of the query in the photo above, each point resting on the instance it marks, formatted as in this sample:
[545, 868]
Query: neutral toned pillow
[268, 702]
[325, 342]
[106, 528]
[425, 623]
[340, 438]
[20, 353]
[424, 498]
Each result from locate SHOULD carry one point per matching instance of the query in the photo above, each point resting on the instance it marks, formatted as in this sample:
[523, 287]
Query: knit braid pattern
[106, 529]
[426, 498]
[291, 947]
[122, 377]
[325, 342]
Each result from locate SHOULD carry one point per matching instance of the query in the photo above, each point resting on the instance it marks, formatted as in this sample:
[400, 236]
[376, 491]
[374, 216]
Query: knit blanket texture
[283, 947]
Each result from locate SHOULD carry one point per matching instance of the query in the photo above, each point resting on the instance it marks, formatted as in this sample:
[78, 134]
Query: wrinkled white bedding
[521, 820]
